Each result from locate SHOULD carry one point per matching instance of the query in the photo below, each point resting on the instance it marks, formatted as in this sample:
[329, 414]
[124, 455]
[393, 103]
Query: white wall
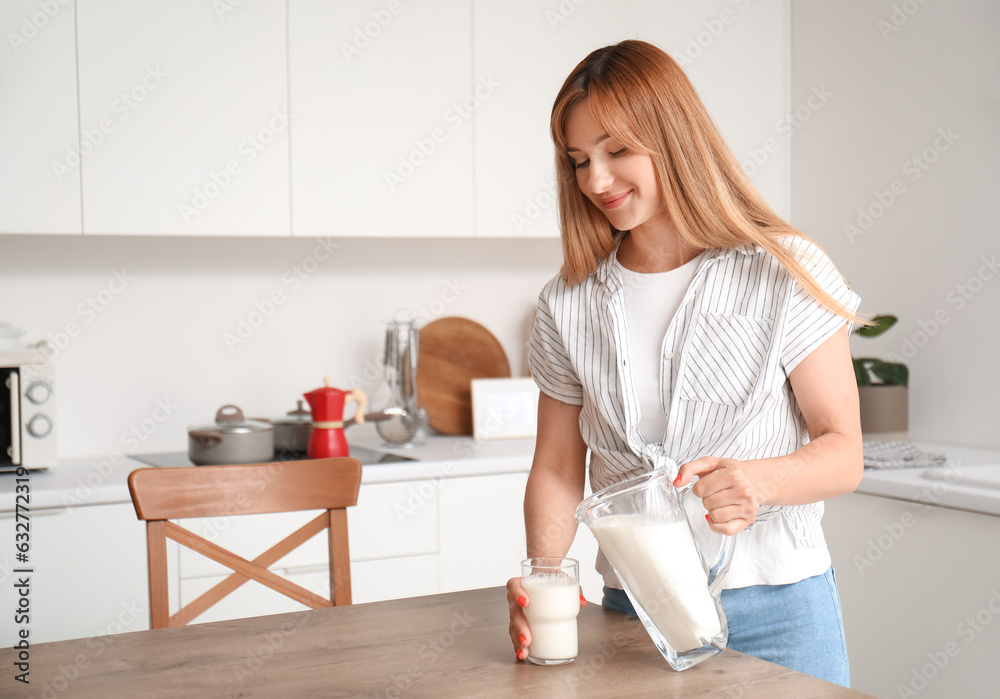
[162, 336]
[895, 88]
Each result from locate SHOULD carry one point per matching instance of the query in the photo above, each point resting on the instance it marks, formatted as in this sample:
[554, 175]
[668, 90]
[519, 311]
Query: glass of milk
[553, 589]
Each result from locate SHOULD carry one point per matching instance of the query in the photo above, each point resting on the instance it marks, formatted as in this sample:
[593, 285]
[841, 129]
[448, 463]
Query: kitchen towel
[899, 454]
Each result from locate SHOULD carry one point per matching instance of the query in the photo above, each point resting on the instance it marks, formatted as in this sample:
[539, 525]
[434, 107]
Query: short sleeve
[547, 357]
[808, 323]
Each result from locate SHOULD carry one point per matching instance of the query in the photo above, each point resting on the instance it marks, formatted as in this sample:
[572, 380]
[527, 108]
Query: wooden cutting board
[453, 351]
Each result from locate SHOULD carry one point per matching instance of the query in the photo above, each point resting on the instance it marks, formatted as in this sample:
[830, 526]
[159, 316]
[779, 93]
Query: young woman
[690, 322]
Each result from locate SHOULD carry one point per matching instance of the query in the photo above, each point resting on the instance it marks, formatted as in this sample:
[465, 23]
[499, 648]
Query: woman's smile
[615, 201]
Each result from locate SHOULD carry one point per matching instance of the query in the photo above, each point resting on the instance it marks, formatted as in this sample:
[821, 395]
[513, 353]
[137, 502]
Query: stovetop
[367, 457]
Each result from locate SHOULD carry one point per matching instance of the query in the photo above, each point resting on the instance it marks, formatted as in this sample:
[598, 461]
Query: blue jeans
[797, 626]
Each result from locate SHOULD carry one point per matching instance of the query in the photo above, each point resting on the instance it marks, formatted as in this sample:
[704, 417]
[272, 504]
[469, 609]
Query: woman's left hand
[727, 488]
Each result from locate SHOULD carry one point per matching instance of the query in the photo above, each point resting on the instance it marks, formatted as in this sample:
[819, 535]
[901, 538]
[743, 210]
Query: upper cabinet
[186, 105]
[383, 101]
[342, 117]
[526, 49]
[39, 132]
[736, 53]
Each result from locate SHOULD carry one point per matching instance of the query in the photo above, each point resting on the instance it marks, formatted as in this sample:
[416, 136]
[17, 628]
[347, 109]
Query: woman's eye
[619, 153]
[582, 164]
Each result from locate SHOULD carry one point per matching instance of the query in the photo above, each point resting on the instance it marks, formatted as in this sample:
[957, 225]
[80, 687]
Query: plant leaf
[891, 374]
[861, 373]
[881, 324]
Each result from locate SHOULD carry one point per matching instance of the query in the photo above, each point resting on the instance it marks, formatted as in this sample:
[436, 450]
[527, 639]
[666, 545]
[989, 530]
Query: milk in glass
[553, 605]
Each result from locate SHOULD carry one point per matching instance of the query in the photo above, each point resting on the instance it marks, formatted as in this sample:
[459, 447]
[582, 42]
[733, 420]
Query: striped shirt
[743, 325]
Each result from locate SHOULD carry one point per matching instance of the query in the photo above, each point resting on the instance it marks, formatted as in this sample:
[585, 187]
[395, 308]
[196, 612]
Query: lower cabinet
[920, 592]
[483, 540]
[393, 535]
[482, 531]
[88, 574]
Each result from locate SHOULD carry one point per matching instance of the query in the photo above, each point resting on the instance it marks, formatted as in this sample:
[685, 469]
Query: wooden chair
[162, 494]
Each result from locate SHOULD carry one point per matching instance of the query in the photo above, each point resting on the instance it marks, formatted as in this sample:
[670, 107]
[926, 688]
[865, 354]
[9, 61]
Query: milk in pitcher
[659, 564]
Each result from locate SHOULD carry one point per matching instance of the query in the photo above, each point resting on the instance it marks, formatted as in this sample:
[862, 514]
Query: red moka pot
[327, 439]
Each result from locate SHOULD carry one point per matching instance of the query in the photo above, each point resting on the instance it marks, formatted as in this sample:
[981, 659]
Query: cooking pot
[291, 431]
[231, 439]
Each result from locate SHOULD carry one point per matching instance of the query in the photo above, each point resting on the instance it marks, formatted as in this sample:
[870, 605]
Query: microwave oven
[27, 411]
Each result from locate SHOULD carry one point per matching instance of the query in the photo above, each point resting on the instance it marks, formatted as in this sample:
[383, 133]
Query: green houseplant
[882, 387]
[870, 371]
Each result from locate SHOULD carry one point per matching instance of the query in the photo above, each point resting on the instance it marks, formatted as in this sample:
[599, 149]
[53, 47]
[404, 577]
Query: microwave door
[14, 452]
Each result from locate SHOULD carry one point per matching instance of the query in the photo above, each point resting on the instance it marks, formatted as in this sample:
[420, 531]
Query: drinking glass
[553, 589]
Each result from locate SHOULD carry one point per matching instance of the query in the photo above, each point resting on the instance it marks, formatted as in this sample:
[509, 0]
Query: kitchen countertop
[79, 482]
[946, 489]
[99, 481]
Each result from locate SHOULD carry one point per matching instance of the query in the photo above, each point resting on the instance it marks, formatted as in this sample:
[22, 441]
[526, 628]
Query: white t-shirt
[651, 301]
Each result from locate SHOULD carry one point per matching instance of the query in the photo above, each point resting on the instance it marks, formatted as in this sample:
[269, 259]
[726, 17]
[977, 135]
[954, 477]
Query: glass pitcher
[669, 562]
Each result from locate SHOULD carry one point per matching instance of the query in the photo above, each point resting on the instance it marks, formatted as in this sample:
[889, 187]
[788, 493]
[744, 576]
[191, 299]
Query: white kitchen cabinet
[482, 530]
[382, 525]
[527, 49]
[89, 574]
[920, 591]
[382, 96]
[188, 103]
[736, 53]
[482, 535]
[39, 131]
[393, 533]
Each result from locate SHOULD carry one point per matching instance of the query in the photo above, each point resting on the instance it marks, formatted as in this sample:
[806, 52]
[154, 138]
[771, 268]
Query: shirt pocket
[726, 358]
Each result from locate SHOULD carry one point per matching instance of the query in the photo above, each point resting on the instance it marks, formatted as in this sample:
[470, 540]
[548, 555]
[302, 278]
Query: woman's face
[622, 184]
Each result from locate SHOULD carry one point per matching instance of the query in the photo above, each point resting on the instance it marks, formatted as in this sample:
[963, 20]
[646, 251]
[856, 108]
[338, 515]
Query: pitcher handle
[718, 567]
[358, 396]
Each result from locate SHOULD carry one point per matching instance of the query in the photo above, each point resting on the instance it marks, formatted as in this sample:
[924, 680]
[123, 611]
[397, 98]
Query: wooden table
[451, 645]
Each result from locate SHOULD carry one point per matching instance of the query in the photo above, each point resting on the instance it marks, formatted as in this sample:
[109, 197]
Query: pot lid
[230, 420]
[299, 416]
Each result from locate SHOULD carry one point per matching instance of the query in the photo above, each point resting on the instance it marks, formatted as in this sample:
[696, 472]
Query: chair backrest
[162, 494]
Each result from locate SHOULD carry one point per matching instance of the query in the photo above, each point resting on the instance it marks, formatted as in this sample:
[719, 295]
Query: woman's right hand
[520, 634]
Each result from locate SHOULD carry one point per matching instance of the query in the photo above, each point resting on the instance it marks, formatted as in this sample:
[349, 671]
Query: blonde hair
[646, 102]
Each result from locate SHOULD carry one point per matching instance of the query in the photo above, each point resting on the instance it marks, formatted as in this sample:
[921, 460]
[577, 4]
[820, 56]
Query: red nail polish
[707, 519]
[522, 600]
[677, 480]
[523, 639]
[583, 599]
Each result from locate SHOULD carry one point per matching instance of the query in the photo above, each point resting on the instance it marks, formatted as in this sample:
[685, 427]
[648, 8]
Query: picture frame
[504, 408]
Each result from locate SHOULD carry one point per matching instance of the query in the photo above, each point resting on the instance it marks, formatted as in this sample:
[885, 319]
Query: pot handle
[229, 413]
[361, 399]
[206, 438]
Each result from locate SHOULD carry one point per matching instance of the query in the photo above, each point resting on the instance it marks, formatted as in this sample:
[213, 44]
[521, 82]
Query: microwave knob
[38, 392]
[39, 426]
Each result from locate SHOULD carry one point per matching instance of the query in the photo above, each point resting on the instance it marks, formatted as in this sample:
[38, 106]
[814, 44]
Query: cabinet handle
[35, 513]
